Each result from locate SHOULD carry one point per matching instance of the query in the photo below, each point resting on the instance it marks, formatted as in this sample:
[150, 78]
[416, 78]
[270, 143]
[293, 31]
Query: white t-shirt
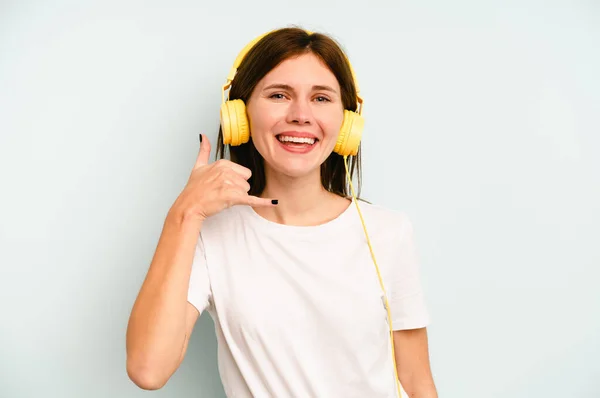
[299, 311]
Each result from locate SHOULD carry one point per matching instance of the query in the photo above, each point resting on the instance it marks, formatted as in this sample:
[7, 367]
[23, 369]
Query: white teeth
[298, 140]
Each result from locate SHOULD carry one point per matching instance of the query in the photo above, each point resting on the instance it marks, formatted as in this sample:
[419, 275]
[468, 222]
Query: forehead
[303, 69]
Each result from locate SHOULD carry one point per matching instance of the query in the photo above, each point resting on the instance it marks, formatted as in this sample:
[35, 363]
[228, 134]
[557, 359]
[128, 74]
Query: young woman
[306, 301]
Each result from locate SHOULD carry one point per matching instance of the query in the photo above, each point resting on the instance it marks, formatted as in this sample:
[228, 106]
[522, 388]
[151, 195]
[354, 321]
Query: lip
[303, 149]
[299, 134]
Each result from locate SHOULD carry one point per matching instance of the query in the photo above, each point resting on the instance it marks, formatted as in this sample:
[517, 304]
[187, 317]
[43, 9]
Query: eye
[322, 99]
[277, 96]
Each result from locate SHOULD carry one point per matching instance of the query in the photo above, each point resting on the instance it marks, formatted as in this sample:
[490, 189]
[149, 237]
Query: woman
[272, 246]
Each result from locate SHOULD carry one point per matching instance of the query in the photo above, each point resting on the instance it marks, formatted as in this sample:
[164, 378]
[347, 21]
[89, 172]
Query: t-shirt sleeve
[405, 293]
[199, 291]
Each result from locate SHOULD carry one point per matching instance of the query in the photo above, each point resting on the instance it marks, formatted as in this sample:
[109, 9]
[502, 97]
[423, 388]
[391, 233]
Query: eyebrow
[290, 88]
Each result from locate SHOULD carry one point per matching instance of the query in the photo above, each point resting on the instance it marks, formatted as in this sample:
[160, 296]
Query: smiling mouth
[285, 139]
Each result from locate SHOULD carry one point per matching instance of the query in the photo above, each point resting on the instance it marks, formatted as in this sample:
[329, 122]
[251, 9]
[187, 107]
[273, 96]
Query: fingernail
[274, 201]
[200, 136]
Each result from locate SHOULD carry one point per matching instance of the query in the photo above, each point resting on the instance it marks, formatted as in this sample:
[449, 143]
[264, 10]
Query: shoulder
[226, 221]
[386, 220]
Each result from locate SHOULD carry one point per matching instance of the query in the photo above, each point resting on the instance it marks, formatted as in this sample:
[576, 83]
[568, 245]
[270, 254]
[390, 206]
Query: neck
[302, 200]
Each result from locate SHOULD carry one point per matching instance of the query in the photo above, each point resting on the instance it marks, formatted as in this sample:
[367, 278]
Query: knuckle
[222, 173]
[231, 197]
[228, 172]
[223, 191]
[221, 163]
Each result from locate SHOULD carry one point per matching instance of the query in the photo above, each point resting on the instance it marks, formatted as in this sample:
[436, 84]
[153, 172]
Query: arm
[412, 361]
[164, 313]
[410, 317]
[162, 319]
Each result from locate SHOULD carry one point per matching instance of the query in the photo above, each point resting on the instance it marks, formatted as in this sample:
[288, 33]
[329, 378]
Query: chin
[296, 168]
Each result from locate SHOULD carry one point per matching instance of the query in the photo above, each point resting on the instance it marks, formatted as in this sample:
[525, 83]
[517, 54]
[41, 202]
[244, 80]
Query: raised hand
[213, 187]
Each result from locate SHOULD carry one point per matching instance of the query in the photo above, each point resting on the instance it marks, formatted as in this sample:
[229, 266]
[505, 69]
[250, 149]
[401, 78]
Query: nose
[299, 112]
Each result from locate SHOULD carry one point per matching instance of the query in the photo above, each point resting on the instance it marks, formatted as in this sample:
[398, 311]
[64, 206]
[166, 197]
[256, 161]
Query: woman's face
[295, 114]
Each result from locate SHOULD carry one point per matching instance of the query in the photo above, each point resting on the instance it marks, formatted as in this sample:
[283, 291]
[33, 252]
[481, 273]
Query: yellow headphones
[236, 129]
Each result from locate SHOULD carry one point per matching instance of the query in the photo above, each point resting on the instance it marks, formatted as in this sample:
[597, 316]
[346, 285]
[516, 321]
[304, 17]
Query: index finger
[237, 168]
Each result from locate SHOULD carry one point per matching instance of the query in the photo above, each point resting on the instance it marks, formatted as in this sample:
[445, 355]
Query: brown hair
[265, 55]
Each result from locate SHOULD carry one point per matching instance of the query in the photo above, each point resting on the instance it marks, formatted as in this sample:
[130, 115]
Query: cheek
[261, 120]
[331, 122]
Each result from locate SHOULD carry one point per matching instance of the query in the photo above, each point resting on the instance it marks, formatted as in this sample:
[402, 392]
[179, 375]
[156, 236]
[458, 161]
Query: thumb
[204, 152]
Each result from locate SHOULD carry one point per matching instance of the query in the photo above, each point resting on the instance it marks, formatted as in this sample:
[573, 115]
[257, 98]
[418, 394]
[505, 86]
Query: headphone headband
[249, 46]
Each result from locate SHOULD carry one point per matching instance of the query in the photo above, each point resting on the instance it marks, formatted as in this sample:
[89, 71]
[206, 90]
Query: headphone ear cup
[350, 134]
[234, 123]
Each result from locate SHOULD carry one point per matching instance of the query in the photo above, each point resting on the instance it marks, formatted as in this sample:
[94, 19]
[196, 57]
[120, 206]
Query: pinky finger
[260, 202]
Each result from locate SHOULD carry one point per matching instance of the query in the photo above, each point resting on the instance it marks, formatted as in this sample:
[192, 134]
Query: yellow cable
[389, 314]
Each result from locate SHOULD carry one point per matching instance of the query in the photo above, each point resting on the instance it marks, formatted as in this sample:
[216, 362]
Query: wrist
[184, 217]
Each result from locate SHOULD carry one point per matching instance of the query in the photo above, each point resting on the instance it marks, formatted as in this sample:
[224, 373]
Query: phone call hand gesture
[213, 187]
